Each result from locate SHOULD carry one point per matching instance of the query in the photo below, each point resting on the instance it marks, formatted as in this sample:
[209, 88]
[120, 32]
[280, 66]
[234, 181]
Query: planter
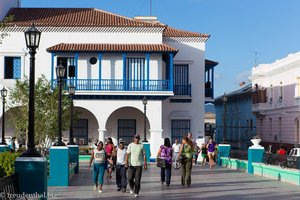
[256, 142]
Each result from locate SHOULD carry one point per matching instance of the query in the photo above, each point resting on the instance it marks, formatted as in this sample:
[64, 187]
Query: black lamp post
[145, 101]
[224, 99]
[3, 95]
[32, 38]
[60, 73]
[71, 93]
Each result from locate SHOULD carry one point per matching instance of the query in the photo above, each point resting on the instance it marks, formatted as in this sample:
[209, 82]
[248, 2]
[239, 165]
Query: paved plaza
[218, 183]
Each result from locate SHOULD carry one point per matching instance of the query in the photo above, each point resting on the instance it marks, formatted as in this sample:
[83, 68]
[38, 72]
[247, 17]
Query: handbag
[161, 163]
[181, 159]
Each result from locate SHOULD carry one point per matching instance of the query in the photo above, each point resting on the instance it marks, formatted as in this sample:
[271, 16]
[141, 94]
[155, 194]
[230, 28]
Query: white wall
[192, 54]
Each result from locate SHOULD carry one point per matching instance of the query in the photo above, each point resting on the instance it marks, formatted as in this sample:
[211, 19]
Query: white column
[155, 141]
[101, 134]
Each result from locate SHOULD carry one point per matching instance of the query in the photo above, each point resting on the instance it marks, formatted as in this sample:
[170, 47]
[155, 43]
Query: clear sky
[243, 32]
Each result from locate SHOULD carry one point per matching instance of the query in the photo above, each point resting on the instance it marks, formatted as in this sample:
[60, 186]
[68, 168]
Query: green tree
[3, 24]
[46, 107]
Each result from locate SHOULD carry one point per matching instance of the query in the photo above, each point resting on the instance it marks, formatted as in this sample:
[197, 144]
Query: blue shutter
[17, 68]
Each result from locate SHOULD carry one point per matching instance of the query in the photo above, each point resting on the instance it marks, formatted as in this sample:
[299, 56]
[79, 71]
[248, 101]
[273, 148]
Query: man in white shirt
[121, 178]
[176, 148]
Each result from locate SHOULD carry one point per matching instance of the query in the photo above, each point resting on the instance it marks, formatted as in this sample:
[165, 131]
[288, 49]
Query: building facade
[116, 62]
[234, 117]
[276, 101]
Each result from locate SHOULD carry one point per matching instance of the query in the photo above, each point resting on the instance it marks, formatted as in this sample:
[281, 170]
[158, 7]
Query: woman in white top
[121, 178]
[100, 164]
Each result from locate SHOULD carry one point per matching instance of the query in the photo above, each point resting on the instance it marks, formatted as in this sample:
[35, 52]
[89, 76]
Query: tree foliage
[46, 108]
[3, 24]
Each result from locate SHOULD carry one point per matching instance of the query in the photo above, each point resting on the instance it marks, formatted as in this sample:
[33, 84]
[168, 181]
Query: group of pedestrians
[132, 159]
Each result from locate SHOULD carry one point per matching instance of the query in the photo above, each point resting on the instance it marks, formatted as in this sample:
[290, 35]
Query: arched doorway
[125, 122]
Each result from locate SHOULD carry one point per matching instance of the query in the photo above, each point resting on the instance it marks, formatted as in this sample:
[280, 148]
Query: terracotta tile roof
[172, 32]
[73, 17]
[84, 47]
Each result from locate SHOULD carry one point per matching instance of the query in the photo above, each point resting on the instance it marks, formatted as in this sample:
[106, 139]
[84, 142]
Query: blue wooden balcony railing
[183, 89]
[209, 92]
[117, 85]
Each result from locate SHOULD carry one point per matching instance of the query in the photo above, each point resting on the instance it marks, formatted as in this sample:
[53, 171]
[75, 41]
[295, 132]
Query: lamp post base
[144, 141]
[59, 143]
[71, 142]
[31, 152]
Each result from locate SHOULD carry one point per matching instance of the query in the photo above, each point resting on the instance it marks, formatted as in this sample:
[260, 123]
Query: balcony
[118, 85]
[183, 90]
[258, 107]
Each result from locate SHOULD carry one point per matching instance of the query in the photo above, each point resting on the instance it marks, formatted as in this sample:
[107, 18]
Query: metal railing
[239, 154]
[284, 161]
[8, 186]
[183, 89]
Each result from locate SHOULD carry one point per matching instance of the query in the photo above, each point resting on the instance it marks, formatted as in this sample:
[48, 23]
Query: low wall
[236, 164]
[277, 173]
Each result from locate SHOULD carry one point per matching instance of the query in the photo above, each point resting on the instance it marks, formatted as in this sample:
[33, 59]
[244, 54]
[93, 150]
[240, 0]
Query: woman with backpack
[165, 152]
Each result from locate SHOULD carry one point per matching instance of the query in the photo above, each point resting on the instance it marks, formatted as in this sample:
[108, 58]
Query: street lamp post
[71, 93]
[60, 73]
[3, 95]
[32, 38]
[145, 101]
[224, 99]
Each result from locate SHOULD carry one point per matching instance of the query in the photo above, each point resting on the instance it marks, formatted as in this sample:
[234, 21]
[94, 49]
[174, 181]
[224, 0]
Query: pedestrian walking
[99, 160]
[203, 152]
[135, 160]
[165, 153]
[121, 178]
[110, 151]
[176, 148]
[190, 136]
[211, 152]
[186, 151]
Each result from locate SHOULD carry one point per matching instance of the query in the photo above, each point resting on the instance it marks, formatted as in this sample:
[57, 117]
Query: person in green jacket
[186, 150]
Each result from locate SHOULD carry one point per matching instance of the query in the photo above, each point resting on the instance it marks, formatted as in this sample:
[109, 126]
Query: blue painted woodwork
[4, 148]
[32, 175]
[76, 69]
[100, 67]
[52, 68]
[148, 68]
[124, 70]
[119, 85]
[171, 70]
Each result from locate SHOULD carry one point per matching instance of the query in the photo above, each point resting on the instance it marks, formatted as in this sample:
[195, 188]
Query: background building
[239, 121]
[276, 101]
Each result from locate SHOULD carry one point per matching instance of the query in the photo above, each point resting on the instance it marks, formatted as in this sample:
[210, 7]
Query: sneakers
[100, 191]
[136, 195]
[131, 191]
[95, 187]
[123, 190]
[119, 189]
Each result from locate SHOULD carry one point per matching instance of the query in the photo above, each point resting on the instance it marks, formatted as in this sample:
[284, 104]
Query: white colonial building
[276, 101]
[116, 61]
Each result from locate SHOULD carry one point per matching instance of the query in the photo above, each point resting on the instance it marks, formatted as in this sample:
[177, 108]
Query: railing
[208, 92]
[284, 161]
[8, 186]
[183, 89]
[117, 85]
[241, 155]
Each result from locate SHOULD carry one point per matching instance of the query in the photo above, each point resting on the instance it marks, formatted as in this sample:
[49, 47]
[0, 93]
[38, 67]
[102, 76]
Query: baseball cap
[121, 140]
[137, 136]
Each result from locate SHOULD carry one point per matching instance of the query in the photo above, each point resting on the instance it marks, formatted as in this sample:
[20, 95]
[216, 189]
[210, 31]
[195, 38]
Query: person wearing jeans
[99, 167]
[135, 158]
[165, 152]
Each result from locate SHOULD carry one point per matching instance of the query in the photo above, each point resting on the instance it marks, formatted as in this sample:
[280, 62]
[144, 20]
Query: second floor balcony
[118, 85]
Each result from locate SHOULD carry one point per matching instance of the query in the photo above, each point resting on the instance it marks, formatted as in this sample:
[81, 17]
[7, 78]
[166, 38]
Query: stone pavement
[217, 184]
